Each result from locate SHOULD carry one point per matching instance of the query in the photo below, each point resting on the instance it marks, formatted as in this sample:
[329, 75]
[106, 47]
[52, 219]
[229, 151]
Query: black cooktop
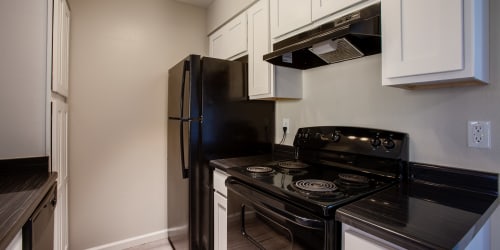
[317, 188]
[333, 165]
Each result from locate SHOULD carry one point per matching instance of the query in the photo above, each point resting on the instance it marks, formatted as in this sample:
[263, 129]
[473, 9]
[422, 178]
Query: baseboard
[134, 241]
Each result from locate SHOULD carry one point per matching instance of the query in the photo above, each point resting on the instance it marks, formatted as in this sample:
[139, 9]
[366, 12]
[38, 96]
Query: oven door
[257, 220]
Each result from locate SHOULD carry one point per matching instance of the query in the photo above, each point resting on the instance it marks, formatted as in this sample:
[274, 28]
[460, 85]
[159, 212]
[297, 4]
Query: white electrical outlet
[478, 134]
[286, 124]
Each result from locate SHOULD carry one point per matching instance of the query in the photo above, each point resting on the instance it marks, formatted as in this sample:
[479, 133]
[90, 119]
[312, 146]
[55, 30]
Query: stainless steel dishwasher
[38, 232]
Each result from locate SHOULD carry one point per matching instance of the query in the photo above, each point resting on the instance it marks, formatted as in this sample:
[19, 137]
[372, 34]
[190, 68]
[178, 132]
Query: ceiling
[199, 3]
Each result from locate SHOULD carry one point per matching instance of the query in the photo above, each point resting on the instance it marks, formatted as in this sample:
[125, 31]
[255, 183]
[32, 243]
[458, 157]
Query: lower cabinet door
[17, 242]
[354, 239]
[220, 222]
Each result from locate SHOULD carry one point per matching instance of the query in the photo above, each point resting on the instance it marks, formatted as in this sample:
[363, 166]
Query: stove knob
[389, 144]
[376, 142]
[336, 137]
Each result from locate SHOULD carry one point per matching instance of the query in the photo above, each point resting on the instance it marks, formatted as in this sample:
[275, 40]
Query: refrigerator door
[182, 146]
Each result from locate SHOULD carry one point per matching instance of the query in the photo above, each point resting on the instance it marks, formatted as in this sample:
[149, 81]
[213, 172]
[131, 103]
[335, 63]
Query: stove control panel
[357, 140]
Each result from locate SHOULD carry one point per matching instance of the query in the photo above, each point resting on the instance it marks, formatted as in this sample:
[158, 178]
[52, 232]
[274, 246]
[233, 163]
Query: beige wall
[350, 93]
[121, 51]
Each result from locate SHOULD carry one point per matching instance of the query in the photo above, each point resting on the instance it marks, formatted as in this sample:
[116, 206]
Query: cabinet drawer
[220, 182]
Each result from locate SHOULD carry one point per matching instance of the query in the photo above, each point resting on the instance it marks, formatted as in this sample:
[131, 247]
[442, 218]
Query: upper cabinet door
[424, 36]
[322, 8]
[428, 42]
[217, 44]
[231, 39]
[259, 43]
[289, 15]
[60, 48]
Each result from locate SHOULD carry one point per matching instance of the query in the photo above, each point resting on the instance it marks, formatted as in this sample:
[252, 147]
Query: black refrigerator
[209, 117]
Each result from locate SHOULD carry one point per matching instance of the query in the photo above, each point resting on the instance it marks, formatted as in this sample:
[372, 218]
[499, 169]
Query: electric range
[296, 199]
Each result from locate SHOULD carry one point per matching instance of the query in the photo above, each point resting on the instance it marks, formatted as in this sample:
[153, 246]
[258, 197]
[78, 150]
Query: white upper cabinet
[289, 15]
[434, 41]
[230, 40]
[60, 48]
[322, 8]
[266, 81]
[259, 43]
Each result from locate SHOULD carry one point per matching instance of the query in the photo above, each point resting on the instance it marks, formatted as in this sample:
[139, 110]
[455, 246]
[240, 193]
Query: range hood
[348, 37]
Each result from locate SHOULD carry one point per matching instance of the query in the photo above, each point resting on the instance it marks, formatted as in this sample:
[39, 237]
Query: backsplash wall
[351, 94]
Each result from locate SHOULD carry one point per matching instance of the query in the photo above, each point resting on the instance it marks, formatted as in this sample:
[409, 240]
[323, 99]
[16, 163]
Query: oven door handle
[259, 200]
[298, 220]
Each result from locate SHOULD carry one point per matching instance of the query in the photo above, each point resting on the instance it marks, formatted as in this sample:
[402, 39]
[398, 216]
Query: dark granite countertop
[435, 210]
[23, 185]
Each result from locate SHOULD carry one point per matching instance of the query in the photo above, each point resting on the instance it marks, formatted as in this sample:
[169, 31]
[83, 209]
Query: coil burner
[293, 165]
[353, 180]
[260, 171]
[313, 185]
[316, 189]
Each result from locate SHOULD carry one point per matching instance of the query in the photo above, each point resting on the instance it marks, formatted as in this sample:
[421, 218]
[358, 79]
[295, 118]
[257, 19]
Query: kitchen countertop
[435, 210]
[23, 185]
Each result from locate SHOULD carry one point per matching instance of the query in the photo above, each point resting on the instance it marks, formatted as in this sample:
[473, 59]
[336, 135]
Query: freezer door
[179, 90]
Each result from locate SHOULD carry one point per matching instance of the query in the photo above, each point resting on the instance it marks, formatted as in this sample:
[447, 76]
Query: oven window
[258, 223]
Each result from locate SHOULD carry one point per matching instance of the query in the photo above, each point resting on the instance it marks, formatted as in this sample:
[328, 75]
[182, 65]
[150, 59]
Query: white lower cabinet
[355, 239]
[220, 222]
[17, 242]
[220, 210]
[61, 219]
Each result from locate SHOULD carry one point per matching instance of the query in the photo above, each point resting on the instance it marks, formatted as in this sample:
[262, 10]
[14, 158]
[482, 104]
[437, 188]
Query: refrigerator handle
[184, 170]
